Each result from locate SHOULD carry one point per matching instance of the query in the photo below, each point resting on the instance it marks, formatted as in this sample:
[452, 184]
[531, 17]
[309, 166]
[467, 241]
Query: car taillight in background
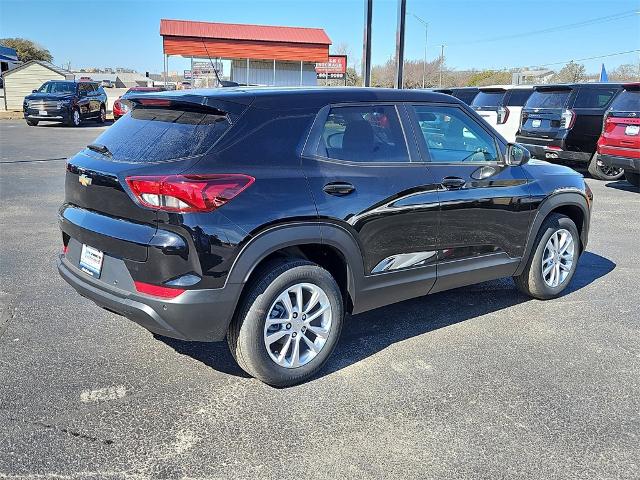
[503, 115]
[568, 119]
[188, 193]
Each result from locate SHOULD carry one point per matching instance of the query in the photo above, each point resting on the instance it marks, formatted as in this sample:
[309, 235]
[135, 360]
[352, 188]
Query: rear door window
[548, 98]
[627, 101]
[363, 133]
[590, 97]
[156, 134]
[488, 99]
[518, 97]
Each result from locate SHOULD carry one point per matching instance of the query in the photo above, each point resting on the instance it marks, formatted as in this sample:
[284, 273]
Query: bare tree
[572, 72]
[627, 72]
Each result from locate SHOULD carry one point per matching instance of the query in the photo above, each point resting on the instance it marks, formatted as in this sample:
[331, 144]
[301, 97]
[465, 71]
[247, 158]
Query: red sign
[336, 65]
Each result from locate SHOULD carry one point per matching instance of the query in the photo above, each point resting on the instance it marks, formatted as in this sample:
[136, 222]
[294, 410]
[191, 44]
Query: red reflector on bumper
[157, 290]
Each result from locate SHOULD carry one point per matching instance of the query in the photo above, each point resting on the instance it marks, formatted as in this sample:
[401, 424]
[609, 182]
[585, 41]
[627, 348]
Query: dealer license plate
[632, 130]
[91, 261]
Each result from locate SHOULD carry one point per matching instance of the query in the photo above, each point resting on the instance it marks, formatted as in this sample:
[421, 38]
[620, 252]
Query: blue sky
[118, 33]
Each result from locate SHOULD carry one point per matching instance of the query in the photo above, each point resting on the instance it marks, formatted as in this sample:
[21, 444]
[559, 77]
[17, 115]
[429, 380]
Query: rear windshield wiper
[96, 147]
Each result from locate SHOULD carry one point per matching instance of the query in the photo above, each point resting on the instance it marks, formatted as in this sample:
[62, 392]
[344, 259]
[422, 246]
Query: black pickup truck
[67, 102]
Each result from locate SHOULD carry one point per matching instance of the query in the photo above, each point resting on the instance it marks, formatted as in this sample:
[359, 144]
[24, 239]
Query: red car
[120, 108]
[619, 144]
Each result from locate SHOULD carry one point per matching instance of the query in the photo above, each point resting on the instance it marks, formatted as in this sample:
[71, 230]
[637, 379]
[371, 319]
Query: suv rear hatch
[489, 104]
[163, 135]
[621, 128]
[545, 112]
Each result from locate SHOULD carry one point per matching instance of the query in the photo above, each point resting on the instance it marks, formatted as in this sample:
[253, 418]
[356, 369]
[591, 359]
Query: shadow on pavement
[623, 185]
[368, 333]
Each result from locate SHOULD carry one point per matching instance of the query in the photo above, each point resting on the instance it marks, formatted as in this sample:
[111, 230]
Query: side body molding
[553, 201]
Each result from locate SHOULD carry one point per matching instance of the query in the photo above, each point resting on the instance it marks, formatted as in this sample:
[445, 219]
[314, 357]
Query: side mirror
[517, 154]
[34, 91]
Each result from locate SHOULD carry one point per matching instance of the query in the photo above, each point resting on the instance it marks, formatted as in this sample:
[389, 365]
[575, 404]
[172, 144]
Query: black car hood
[49, 96]
[540, 167]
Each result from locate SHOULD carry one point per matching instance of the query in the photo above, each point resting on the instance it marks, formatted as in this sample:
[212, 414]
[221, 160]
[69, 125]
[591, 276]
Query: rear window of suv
[627, 101]
[518, 97]
[590, 97]
[156, 134]
[548, 98]
[488, 98]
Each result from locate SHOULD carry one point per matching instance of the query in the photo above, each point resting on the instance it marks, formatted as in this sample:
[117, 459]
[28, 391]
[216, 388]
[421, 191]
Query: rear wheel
[288, 323]
[32, 123]
[598, 169]
[632, 178]
[552, 264]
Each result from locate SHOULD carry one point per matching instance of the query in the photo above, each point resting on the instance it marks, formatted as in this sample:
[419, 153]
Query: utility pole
[426, 36]
[366, 48]
[402, 13]
[441, 62]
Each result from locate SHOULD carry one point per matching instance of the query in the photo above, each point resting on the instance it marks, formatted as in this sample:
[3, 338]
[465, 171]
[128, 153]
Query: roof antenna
[222, 83]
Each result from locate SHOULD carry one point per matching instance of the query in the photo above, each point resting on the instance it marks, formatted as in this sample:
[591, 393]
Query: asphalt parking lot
[480, 382]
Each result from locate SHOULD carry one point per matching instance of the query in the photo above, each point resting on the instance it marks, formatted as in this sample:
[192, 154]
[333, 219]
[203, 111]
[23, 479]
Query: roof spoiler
[631, 86]
[235, 104]
[550, 88]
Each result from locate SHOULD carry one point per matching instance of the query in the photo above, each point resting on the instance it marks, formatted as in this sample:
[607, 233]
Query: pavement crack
[74, 433]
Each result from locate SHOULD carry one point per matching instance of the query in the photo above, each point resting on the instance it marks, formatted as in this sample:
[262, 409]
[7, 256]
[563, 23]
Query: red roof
[235, 31]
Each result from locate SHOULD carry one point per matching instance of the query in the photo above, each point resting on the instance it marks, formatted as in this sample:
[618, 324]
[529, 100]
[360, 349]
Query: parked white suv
[501, 106]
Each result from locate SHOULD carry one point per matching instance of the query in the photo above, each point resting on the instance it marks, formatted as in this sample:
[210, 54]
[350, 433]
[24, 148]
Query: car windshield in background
[548, 99]
[137, 91]
[58, 87]
[489, 99]
[155, 134]
[627, 101]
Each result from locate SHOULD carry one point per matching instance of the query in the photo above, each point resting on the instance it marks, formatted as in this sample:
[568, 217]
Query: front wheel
[74, 118]
[32, 123]
[598, 169]
[288, 324]
[633, 178]
[553, 263]
[103, 114]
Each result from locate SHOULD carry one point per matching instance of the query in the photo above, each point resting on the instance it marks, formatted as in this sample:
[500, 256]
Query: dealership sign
[334, 68]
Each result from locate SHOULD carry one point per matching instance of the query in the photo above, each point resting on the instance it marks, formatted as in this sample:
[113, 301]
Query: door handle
[338, 188]
[453, 183]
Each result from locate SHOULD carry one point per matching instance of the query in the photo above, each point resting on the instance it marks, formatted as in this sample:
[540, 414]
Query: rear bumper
[200, 315]
[628, 164]
[553, 151]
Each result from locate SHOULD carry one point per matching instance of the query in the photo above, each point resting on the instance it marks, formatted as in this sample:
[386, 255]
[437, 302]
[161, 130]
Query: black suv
[264, 216]
[466, 94]
[563, 123]
[67, 102]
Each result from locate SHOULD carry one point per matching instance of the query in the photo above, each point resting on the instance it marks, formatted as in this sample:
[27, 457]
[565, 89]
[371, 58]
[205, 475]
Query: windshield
[488, 99]
[627, 101]
[58, 87]
[548, 99]
[155, 134]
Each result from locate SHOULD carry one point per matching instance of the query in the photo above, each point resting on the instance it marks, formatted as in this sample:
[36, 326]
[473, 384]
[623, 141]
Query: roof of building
[235, 31]
[9, 53]
[50, 66]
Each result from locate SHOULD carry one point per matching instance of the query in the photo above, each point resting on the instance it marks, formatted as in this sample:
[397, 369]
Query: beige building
[22, 80]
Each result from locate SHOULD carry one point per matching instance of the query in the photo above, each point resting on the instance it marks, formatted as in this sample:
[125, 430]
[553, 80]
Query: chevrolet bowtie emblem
[84, 180]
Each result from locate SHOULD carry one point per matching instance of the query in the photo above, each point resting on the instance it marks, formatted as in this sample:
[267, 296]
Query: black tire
[74, 119]
[32, 123]
[103, 114]
[246, 332]
[633, 178]
[597, 169]
[531, 281]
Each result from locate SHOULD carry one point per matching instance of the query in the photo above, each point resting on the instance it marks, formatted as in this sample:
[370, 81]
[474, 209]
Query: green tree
[27, 50]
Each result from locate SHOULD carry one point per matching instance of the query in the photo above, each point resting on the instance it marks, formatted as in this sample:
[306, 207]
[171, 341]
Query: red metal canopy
[228, 40]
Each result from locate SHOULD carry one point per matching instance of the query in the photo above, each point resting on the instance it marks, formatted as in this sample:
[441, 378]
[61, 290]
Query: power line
[584, 23]
[586, 58]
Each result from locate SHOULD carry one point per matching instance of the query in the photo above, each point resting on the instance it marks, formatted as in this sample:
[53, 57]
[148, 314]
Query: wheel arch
[330, 246]
[571, 204]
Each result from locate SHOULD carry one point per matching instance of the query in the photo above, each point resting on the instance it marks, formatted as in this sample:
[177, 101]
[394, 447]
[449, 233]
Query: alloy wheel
[76, 118]
[557, 257]
[607, 170]
[297, 325]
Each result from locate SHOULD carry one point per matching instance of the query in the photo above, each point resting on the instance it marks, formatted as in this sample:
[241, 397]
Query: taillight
[157, 290]
[568, 119]
[503, 115]
[187, 193]
[609, 124]
[116, 105]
